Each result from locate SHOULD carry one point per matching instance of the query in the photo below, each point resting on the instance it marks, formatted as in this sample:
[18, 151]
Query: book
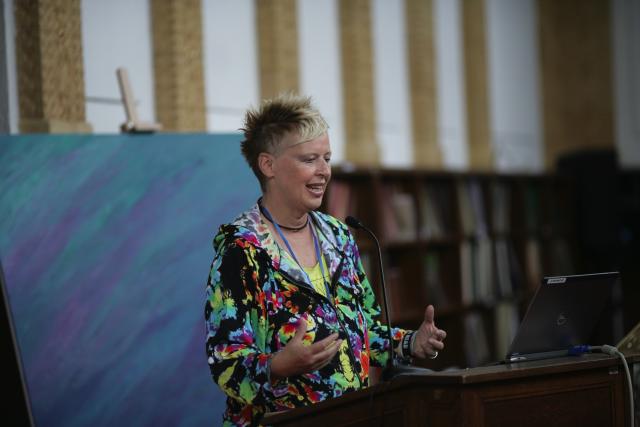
[507, 320]
[465, 211]
[503, 269]
[476, 199]
[432, 280]
[431, 223]
[500, 201]
[466, 273]
[340, 204]
[483, 282]
[404, 212]
[533, 264]
[476, 346]
[398, 214]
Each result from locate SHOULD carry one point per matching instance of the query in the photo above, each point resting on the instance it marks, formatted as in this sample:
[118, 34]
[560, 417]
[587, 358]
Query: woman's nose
[324, 167]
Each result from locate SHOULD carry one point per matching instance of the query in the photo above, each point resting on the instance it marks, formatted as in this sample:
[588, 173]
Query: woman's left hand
[429, 339]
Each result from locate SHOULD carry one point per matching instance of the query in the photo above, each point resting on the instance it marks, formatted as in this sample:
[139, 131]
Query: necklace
[295, 229]
[316, 246]
[284, 227]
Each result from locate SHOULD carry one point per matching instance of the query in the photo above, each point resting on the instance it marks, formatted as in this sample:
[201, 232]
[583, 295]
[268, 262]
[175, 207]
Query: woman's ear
[265, 163]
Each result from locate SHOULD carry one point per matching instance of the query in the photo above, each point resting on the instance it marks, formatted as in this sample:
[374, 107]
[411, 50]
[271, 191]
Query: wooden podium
[588, 390]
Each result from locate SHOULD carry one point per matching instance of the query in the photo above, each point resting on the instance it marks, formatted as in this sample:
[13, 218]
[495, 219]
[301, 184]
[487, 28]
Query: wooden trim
[576, 72]
[178, 64]
[481, 156]
[422, 81]
[277, 23]
[357, 79]
[50, 66]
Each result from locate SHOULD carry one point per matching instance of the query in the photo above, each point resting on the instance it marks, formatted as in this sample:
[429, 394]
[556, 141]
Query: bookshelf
[475, 245]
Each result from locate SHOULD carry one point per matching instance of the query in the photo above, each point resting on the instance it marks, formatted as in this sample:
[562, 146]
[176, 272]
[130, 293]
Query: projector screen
[105, 242]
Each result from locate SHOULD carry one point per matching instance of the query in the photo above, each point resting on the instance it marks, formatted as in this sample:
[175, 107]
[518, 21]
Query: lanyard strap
[316, 245]
[318, 256]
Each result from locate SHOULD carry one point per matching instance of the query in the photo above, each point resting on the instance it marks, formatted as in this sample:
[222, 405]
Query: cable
[613, 351]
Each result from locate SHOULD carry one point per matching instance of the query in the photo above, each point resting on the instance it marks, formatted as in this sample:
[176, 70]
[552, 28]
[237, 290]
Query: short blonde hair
[266, 127]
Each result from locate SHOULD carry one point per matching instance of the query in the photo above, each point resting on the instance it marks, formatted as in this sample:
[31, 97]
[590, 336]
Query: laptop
[562, 314]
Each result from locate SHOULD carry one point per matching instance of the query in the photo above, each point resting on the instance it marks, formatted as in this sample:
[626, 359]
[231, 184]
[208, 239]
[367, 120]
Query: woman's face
[301, 173]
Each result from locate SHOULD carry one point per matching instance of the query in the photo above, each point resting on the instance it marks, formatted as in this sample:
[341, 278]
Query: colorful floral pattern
[255, 298]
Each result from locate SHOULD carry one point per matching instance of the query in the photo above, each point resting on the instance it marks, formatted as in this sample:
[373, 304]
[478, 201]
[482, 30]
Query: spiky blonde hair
[266, 127]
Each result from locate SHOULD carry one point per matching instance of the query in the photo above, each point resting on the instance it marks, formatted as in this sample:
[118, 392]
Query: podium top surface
[465, 378]
[502, 372]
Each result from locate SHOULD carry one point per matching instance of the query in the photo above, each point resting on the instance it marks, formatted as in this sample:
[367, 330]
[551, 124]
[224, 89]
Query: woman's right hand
[297, 358]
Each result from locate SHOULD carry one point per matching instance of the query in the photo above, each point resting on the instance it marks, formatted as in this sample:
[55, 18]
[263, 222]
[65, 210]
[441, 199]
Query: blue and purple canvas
[105, 242]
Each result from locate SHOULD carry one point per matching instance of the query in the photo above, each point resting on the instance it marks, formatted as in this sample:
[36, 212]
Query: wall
[391, 84]
[232, 84]
[450, 84]
[514, 85]
[230, 62]
[116, 34]
[320, 74]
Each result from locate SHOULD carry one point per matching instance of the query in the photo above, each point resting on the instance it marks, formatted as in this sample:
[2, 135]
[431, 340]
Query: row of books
[432, 214]
[490, 271]
[439, 209]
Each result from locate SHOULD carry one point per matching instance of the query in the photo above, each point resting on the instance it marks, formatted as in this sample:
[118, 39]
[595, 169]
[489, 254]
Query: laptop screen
[562, 314]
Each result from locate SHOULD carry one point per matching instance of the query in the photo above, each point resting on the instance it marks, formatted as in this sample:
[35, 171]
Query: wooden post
[481, 156]
[357, 78]
[178, 65]
[277, 22]
[422, 80]
[50, 66]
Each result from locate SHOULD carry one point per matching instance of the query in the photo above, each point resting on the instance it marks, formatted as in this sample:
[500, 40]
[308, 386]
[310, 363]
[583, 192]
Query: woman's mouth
[316, 189]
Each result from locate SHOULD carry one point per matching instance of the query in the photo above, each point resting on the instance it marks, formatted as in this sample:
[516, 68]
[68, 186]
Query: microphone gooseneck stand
[394, 367]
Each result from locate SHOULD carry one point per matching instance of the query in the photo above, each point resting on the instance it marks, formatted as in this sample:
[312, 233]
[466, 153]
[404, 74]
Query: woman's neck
[282, 214]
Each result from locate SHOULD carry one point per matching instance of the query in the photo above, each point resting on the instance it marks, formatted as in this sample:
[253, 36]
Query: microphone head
[352, 222]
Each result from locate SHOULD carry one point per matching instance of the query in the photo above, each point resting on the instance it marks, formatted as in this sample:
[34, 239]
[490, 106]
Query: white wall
[116, 33]
[452, 129]
[514, 91]
[230, 62]
[626, 47]
[391, 84]
[320, 70]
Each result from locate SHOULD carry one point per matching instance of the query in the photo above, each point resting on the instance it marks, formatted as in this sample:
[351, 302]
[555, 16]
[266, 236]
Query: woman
[291, 317]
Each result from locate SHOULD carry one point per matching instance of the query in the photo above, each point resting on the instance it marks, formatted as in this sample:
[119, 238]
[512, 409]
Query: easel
[133, 124]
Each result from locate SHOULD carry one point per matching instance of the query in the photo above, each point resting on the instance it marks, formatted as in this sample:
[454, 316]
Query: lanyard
[316, 245]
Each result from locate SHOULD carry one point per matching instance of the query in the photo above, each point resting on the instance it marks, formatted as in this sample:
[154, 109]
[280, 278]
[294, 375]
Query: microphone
[392, 369]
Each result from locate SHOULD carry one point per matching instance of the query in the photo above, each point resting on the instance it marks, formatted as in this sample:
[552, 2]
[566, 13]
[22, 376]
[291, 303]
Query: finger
[327, 354]
[441, 334]
[428, 314]
[327, 360]
[434, 343]
[301, 329]
[318, 346]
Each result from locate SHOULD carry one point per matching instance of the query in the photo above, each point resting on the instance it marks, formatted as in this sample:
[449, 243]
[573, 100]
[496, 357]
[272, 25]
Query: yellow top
[315, 275]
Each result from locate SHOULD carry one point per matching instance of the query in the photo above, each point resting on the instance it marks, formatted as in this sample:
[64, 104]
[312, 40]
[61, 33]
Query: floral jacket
[256, 295]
